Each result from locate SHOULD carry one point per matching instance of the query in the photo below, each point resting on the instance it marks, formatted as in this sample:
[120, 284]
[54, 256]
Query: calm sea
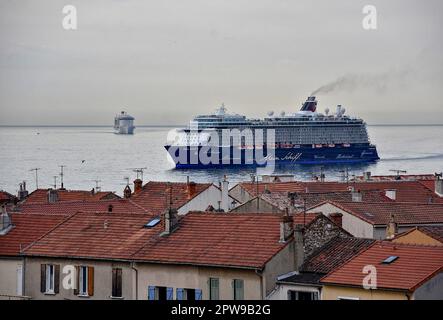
[96, 153]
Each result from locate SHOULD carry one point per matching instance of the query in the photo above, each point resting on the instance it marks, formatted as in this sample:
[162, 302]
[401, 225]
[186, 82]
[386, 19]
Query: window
[49, 278]
[188, 294]
[238, 286]
[389, 260]
[214, 289]
[152, 223]
[302, 295]
[83, 281]
[160, 293]
[116, 282]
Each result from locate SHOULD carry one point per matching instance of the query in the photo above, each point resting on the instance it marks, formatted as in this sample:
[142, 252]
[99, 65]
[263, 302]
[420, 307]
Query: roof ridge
[49, 231]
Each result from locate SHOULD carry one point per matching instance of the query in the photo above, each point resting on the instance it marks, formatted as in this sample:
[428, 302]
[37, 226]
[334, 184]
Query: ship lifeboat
[331, 145]
[319, 146]
[346, 145]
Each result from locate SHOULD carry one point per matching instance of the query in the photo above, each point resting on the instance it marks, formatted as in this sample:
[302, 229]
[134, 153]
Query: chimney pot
[286, 228]
[391, 228]
[337, 218]
[171, 221]
[138, 185]
[299, 247]
[127, 192]
[191, 186]
[356, 196]
[439, 185]
[52, 196]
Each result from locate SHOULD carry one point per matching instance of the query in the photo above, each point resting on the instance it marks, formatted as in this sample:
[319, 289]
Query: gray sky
[165, 61]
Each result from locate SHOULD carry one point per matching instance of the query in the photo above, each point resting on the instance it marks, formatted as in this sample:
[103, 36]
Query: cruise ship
[304, 137]
[124, 123]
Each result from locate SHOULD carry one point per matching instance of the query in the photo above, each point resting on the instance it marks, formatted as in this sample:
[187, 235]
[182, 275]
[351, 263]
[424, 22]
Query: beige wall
[240, 194]
[9, 277]
[417, 237]
[102, 278]
[355, 226]
[194, 277]
[335, 292]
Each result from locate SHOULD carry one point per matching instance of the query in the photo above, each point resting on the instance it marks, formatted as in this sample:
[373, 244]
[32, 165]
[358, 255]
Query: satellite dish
[270, 113]
[327, 111]
[282, 113]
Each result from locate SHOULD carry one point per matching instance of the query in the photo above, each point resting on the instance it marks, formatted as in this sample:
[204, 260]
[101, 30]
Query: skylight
[152, 223]
[389, 259]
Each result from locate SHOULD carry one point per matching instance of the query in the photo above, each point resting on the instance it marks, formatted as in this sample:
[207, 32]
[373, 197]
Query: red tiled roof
[415, 265]
[433, 232]
[379, 213]
[5, 196]
[26, 229]
[71, 207]
[407, 191]
[100, 235]
[333, 254]
[243, 241]
[282, 201]
[410, 177]
[40, 196]
[156, 195]
[236, 240]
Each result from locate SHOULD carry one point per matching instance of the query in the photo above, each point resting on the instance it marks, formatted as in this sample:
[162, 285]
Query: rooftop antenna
[397, 171]
[139, 172]
[36, 176]
[127, 180]
[61, 176]
[345, 175]
[97, 185]
[55, 182]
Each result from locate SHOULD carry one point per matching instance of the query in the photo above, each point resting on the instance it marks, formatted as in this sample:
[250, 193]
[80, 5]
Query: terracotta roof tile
[379, 213]
[40, 196]
[156, 195]
[434, 232]
[26, 229]
[407, 191]
[238, 240]
[71, 207]
[415, 265]
[100, 235]
[334, 253]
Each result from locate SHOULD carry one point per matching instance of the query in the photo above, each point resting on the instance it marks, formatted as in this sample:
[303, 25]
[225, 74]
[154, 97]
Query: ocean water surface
[96, 153]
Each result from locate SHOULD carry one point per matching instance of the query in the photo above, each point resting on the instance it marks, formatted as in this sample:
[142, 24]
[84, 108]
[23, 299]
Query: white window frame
[50, 277]
[83, 291]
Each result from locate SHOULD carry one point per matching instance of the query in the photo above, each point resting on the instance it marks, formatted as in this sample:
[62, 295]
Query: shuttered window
[50, 278]
[85, 281]
[116, 282]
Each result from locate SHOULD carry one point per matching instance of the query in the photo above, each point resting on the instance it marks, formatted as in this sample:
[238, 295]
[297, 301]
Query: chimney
[110, 207]
[337, 218]
[171, 221]
[286, 227]
[92, 191]
[225, 194]
[138, 185]
[191, 188]
[391, 194]
[22, 193]
[5, 222]
[356, 196]
[392, 228]
[127, 192]
[439, 185]
[367, 175]
[299, 248]
[52, 196]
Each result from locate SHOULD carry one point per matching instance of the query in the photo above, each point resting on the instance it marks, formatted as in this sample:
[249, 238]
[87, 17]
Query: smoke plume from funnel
[379, 82]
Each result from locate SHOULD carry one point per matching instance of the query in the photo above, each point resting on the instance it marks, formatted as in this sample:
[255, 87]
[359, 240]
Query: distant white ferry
[124, 123]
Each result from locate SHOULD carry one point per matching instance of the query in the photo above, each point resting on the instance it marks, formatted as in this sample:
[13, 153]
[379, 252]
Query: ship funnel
[309, 105]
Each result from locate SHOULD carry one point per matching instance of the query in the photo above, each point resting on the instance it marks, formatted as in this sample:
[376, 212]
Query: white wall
[354, 225]
[210, 196]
